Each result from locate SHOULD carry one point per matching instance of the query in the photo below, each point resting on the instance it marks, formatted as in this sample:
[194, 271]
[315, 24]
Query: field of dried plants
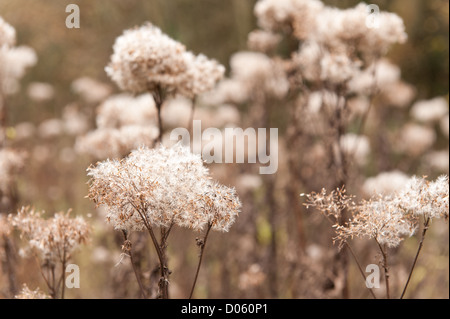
[283, 149]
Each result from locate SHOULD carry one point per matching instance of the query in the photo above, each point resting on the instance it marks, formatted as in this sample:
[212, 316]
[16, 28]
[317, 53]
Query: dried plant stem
[191, 118]
[339, 161]
[202, 250]
[273, 266]
[164, 279]
[352, 252]
[424, 232]
[54, 291]
[372, 96]
[136, 273]
[385, 267]
[359, 267]
[3, 118]
[63, 274]
[43, 275]
[8, 265]
[158, 96]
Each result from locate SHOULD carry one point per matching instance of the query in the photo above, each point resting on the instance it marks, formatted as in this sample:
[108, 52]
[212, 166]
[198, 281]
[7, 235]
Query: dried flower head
[146, 59]
[201, 75]
[338, 68]
[123, 109]
[161, 187]
[74, 120]
[51, 128]
[5, 226]
[256, 71]
[254, 276]
[40, 92]
[356, 147]
[13, 62]
[426, 198]
[330, 205]
[307, 60]
[430, 111]
[124, 123]
[336, 30]
[115, 143]
[227, 91]
[387, 218]
[92, 91]
[385, 183]
[11, 162]
[263, 41]
[380, 218]
[53, 239]
[286, 15]
[7, 34]
[176, 112]
[415, 139]
[27, 293]
[218, 206]
[438, 161]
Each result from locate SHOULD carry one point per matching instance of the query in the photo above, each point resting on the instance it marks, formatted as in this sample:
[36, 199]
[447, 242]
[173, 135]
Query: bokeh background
[217, 28]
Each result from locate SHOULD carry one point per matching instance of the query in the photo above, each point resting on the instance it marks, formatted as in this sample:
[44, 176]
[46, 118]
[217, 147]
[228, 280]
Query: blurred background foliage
[216, 28]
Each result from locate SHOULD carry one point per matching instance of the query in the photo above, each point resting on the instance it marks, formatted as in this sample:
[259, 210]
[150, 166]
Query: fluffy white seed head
[161, 187]
[415, 139]
[51, 239]
[145, 59]
[13, 63]
[7, 34]
[385, 183]
[430, 111]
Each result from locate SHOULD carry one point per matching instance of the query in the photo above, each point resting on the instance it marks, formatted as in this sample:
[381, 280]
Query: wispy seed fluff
[145, 59]
[430, 111]
[381, 219]
[427, 198]
[5, 226]
[7, 34]
[13, 60]
[52, 239]
[27, 293]
[11, 162]
[388, 218]
[124, 123]
[161, 187]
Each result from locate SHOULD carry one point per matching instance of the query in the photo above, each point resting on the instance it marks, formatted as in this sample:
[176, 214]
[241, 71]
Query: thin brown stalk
[42, 273]
[63, 274]
[352, 252]
[136, 273]
[54, 292]
[359, 267]
[385, 267]
[424, 232]
[159, 100]
[202, 250]
[3, 118]
[373, 94]
[191, 118]
[9, 266]
[163, 285]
